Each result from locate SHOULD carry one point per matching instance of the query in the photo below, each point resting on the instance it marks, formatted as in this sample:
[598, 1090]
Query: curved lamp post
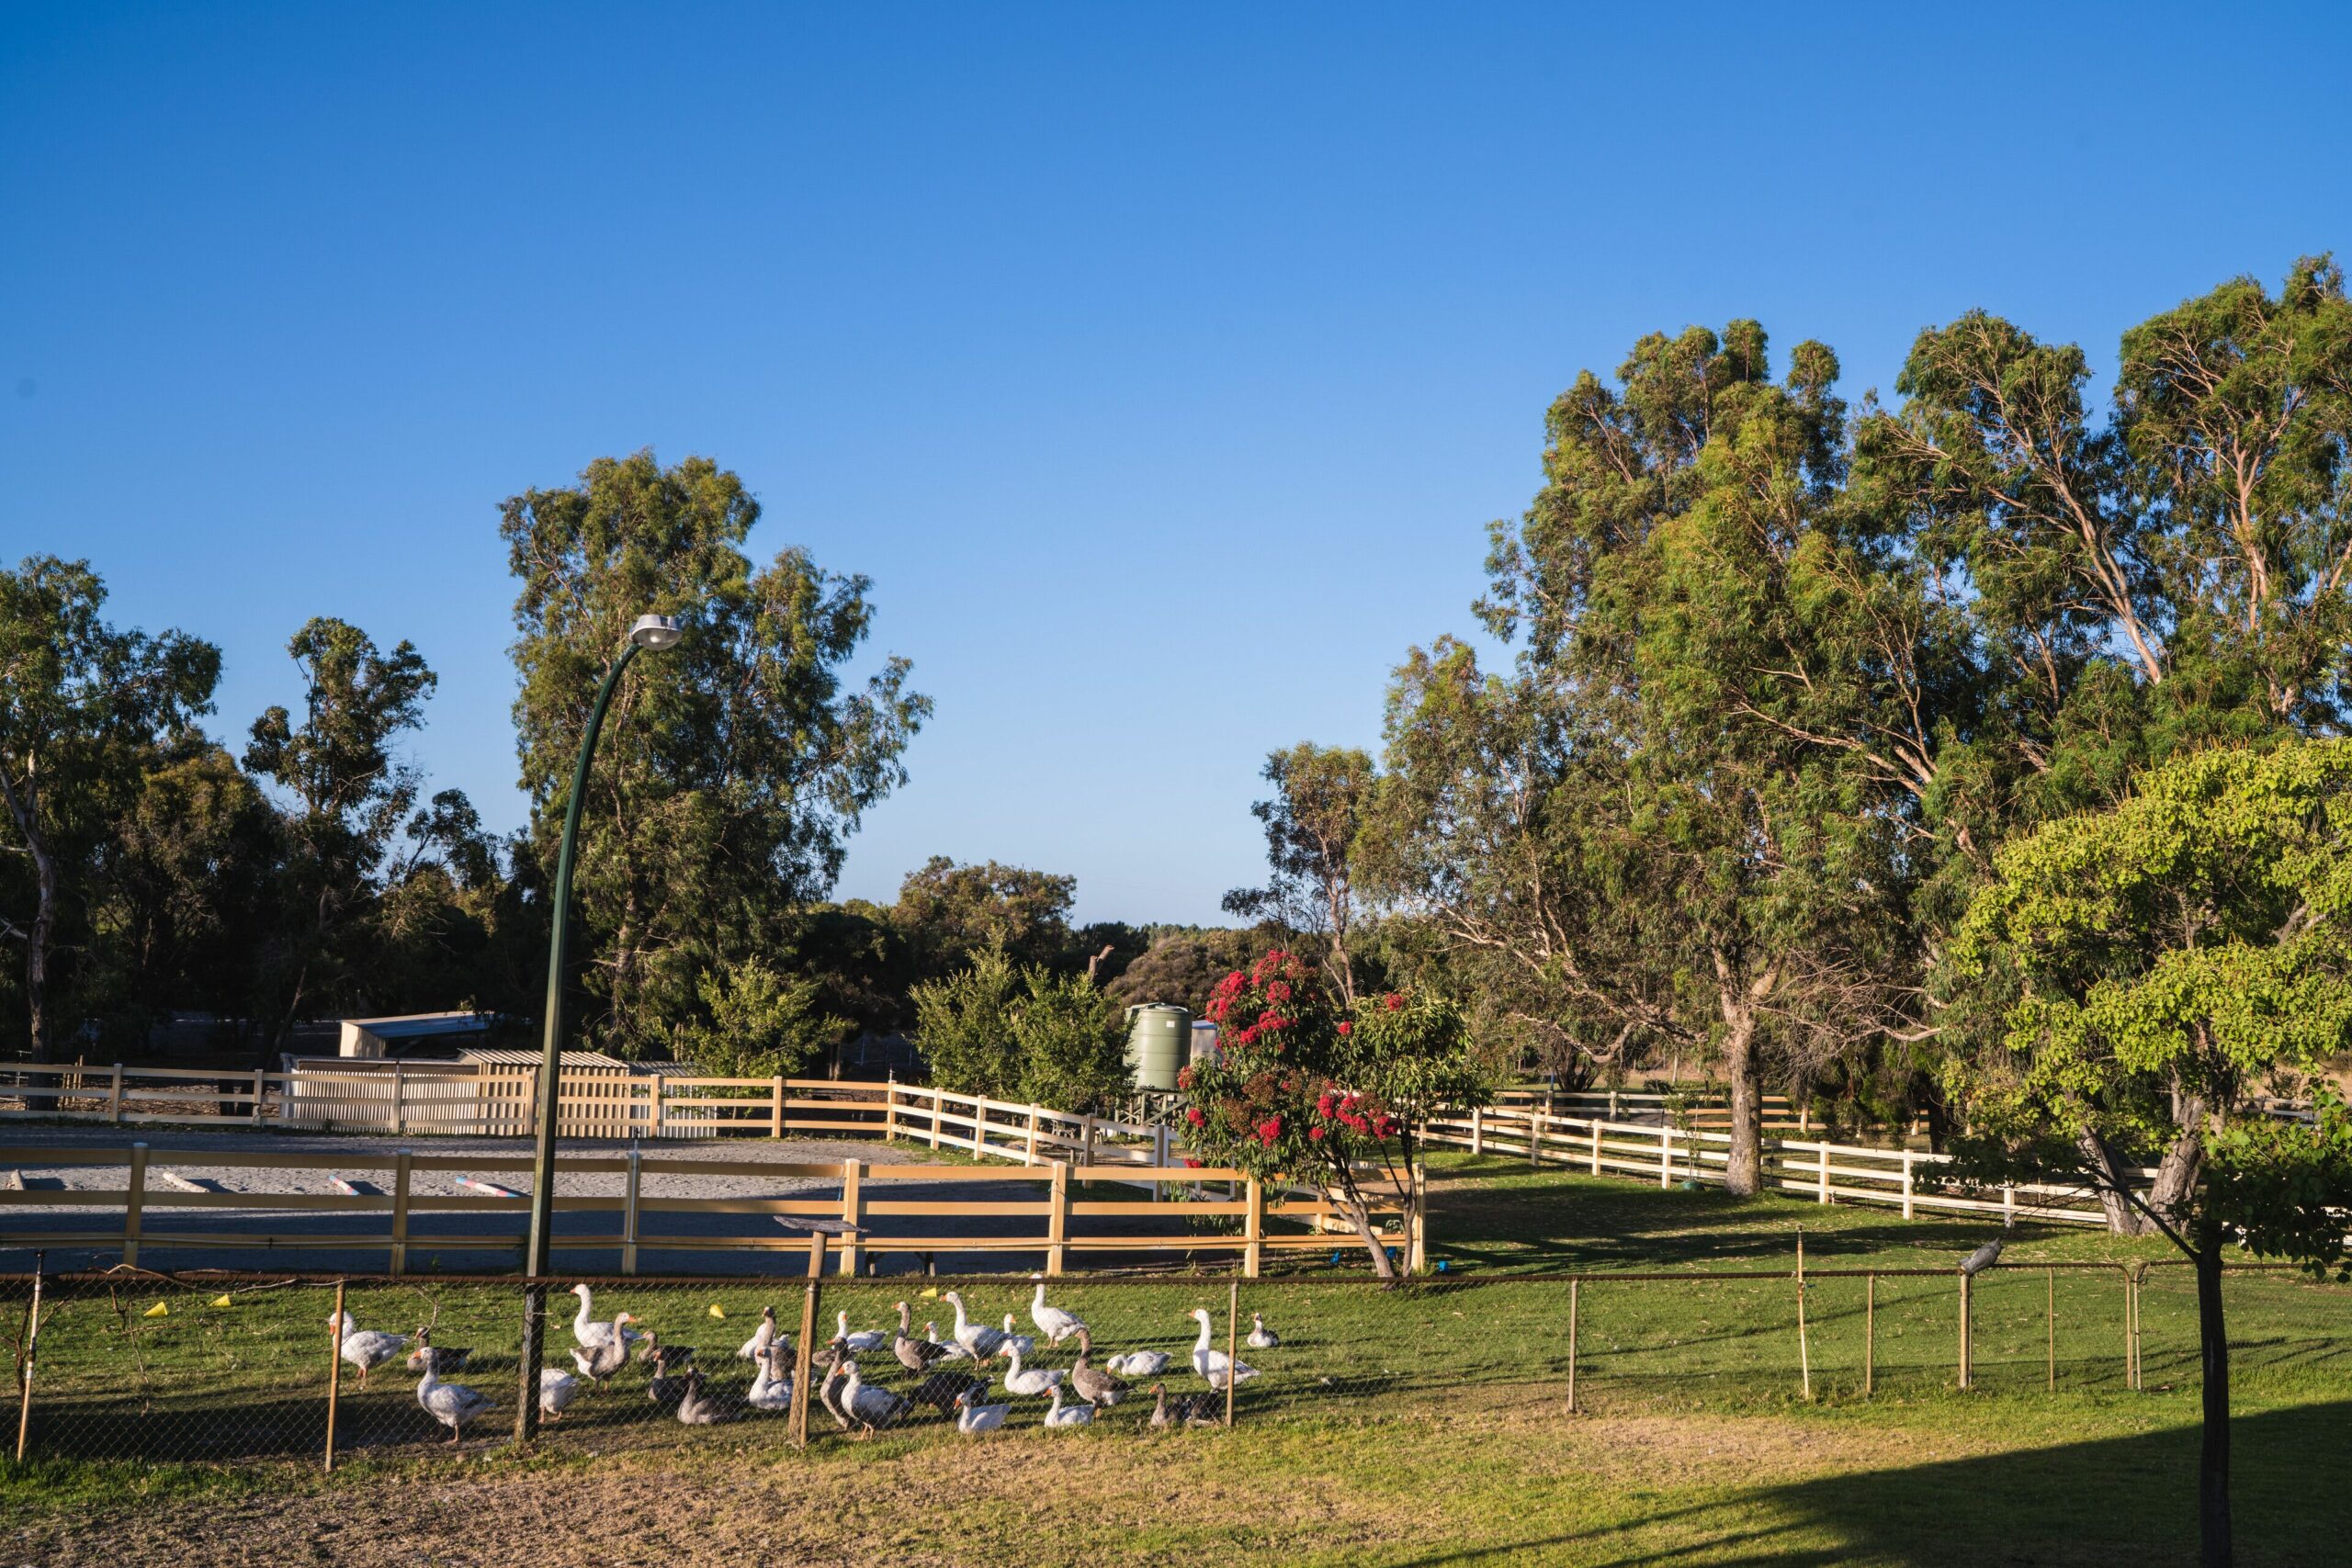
[656, 632]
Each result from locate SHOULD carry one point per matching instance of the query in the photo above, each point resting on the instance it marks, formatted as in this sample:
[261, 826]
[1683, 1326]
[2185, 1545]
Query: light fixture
[655, 632]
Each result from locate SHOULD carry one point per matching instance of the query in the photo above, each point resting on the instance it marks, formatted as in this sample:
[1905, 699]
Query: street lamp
[655, 632]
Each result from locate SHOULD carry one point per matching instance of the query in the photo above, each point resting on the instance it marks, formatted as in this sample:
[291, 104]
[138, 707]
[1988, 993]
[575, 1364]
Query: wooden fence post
[260, 1089]
[938, 1108]
[1907, 1184]
[134, 1206]
[852, 1214]
[1967, 1360]
[979, 1124]
[335, 1370]
[1573, 1305]
[31, 1354]
[1822, 1187]
[632, 1187]
[1596, 1145]
[399, 1260]
[1870, 1332]
[1254, 1230]
[1058, 1220]
[1416, 1222]
[1477, 1132]
[890, 1110]
[2009, 1203]
[400, 1099]
[657, 1089]
[1535, 1120]
[1665, 1156]
[1086, 1139]
[113, 1098]
[797, 1424]
[775, 1113]
[1029, 1150]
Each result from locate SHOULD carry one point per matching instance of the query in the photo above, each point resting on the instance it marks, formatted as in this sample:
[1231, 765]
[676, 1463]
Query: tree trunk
[1744, 1166]
[2176, 1173]
[42, 936]
[2122, 1218]
[2213, 1458]
[1360, 1215]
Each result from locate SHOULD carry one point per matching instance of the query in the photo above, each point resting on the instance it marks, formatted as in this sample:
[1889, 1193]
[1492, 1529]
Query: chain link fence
[129, 1365]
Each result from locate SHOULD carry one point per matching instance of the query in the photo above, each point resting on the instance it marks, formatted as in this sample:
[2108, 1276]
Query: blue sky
[1161, 367]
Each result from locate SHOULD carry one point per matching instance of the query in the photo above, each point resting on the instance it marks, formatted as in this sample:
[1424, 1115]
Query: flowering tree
[1305, 1089]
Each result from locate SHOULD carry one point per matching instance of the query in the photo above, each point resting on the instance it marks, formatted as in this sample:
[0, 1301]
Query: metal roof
[423, 1025]
[512, 1056]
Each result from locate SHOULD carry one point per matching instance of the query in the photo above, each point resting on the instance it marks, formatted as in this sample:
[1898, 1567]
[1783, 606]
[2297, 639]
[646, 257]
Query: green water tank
[1160, 1038]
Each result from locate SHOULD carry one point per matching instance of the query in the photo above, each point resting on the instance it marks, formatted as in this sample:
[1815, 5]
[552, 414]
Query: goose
[1094, 1385]
[1052, 1321]
[1211, 1364]
[367, 1350]
[766, 1335]
[862, 1341]
[557, 1389]
[772, 1390]
[974, 1419]
[596, 1362]
[1025, 1343]
[976, 1337]
[451, 1404]
[697, 1408]
[1259, 1336]
[652, 1349]
[869, 1406]
[941, 1389]
[1030, 1381]
[830, 1390]
[1984, 1257]
[948, 1349]
[1060, 1417]
[915, 1355]
[444, 1359]
[1190, 1409]
[669, 1382]
[585, 1329]
[1139, 1363]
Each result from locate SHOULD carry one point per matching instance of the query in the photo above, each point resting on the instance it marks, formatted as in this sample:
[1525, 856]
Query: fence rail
[1907, 1180]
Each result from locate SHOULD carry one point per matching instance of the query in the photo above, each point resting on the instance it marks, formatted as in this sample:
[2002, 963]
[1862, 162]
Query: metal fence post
[1232, 1345]
[24, 1363]
[1966, 1358]
[401, 1162]
[134, 1206]
[632, 1187]
[1870, 1332]
[1574, 1304]
[335, 1370]
[2050, 1320]
[802, 1364]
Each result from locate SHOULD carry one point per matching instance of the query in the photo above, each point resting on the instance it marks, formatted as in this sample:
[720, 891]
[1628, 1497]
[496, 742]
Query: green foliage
[758, 1023]
[1022, 1033]
[734, 766]
[947, 913]
[1312, 823]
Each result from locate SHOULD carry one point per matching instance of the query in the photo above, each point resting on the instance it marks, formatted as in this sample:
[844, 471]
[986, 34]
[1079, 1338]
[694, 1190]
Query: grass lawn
[1420, 1426]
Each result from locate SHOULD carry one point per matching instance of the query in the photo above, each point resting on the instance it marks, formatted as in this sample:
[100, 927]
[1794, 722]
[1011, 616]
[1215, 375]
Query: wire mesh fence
[135, 1365]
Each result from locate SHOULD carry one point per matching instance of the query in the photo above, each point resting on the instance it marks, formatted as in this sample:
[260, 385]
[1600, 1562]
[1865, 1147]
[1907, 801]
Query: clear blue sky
[1162, 368]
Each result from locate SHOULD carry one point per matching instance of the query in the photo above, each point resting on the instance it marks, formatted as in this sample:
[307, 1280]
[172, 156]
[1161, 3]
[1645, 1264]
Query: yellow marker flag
[221, 1301]
[158, 1310]
[717, 1310]
[929, 1292]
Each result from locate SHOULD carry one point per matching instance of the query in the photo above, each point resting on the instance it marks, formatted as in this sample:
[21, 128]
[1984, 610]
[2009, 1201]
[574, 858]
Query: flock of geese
[953, 1375]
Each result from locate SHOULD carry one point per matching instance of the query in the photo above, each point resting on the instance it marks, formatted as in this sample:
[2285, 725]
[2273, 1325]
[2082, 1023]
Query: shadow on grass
[2115, 1500]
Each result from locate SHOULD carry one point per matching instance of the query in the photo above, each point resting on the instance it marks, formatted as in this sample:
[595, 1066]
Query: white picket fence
[1907, 1180]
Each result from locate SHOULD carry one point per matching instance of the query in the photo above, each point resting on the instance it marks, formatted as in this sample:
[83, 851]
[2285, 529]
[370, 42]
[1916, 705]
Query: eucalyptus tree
[85, 707]
[732, 771]
[1312, 821]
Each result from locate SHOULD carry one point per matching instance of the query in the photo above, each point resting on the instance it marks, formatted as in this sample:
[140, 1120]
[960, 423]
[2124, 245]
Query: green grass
[1389, 1423]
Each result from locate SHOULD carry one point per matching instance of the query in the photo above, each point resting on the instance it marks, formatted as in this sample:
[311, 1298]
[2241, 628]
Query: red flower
[1270, 1129]
[1324, 1102]
[1346, 1027]
[1392, 1001]
[1194, 1117]
[1315, 1134]
[1278, 992]
[1184, 1078]
[1191, 1163]
[1385, 1128]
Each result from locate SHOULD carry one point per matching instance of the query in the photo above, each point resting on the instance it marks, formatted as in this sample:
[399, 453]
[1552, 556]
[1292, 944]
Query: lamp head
[655, 632]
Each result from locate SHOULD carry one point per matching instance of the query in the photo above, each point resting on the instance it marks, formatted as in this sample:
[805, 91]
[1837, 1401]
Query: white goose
[451, 1404]
[1259, 1336]
[766, 1335]
[1027, 1379]
[1063, 1418]
[557, 1389]
[366, 1351]
[1212, 1364]
[955, 1352]
[974, 1419]
[601, 1359]
[1052, 1321]
[871, 1407]
[1139, 1363]
[1025, 1343]
[976, 1337]
[585, 1329]
[862, 1341]
[772, 1390]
